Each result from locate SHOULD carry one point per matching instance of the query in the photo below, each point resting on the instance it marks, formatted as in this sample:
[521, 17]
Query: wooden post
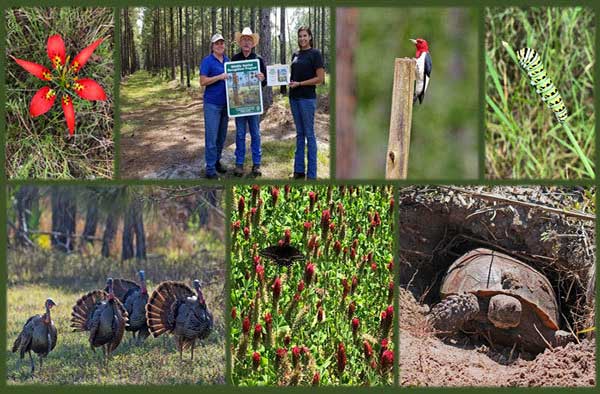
[400, 118]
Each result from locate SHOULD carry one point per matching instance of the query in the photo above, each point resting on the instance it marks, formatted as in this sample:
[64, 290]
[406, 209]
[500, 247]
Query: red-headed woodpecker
[423, 69]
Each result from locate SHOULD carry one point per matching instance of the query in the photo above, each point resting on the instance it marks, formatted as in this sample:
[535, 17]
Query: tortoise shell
[485, 273]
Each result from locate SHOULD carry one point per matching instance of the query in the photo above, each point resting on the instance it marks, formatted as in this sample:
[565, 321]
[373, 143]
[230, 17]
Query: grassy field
[154, 362]
[523, 137]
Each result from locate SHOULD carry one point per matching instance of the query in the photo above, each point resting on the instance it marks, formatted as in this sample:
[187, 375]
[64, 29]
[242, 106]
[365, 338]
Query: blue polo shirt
[215, 92]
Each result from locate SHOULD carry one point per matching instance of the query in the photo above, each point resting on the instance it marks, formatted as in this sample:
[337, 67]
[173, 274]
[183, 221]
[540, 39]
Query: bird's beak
[413, 41]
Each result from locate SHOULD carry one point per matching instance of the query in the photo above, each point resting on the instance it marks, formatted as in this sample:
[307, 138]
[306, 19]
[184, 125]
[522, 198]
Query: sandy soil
[426, 360]
[171, 143]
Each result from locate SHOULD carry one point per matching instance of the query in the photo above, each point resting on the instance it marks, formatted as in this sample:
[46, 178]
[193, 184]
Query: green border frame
[228, 183]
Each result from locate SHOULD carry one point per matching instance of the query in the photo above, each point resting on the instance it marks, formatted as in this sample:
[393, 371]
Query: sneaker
[299, 175]
[220, 167]
[239, 170]
[256, 170]
[213, 177]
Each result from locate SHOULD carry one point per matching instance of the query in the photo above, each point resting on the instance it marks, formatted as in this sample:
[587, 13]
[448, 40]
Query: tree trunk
[26, 197]
[63, 219]
[128, 234]
[91, 222]
[253, 19]
[282, 40]
[265, 51]
[110, 231]
[180, 46]
[213, 20]
[172, 28]
[187, 47]
[345, 95]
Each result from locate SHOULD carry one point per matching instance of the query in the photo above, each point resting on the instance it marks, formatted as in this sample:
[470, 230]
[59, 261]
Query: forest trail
[162, 133]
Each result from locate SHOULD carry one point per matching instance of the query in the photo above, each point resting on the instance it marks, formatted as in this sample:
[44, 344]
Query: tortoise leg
[561, 338]
[41, 364]
[450, 314]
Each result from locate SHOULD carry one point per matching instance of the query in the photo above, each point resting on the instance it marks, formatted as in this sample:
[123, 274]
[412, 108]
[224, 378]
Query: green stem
[577, 148]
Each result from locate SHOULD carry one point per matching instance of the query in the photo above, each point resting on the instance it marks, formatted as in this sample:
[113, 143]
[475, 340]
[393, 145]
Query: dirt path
[162, 134]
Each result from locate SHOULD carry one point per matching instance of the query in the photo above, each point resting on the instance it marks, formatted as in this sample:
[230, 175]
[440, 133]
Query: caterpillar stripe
[531, 62]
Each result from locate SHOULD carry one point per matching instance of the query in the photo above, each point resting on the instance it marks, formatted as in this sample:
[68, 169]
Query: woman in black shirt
[307, 72]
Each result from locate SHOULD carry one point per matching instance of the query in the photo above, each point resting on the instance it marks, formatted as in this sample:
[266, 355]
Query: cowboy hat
[247, 32]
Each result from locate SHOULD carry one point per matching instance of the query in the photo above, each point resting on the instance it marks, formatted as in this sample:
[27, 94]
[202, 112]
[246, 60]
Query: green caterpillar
[531, 62]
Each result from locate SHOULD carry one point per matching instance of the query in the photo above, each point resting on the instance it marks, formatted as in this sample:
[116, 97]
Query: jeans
[303, 111]
[215, 125]
[252, 122]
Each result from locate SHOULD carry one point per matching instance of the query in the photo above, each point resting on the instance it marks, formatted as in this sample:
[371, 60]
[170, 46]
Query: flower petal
[56, 50]
[42, 101]
[82, 57]
[34, 69]
[89, 89]
[67, 106]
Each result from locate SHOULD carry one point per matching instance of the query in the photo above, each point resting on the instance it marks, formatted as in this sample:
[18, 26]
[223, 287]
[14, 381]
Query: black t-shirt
[263, 69]
[304, 66]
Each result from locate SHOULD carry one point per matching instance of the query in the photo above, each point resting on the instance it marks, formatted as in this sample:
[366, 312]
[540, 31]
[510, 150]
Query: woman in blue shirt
[212, 77]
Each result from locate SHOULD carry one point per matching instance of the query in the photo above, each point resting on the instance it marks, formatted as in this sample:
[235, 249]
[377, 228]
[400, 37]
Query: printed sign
[244, 92]
[278, 74]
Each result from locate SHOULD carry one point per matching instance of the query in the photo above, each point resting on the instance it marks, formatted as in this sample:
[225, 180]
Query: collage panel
[440, 120]
[497, 286]
[539, 89]
[59, 93]
[225, 93]
[115, 285]
[312, 285]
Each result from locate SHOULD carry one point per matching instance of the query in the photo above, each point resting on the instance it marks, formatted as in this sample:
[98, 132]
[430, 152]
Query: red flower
[341, 358]
[351, 309]
[337, 247]
[255, 359]
[241, 206]
[65, 81]
[286, 340]
[287, 235]
[316, 379]
[274, 194]
[309, 272]
[300, 286]
[260, 272]
[355, 325]
[276, 287]
[296, 351]
[391, 265]
[373, 267]
[286, 190]
[386, 360]
[246, 325]
[236, 225]
[312, 196]
[233, 312]
[246, 233]
[367, 350]
[257, 332]
[346, 289]
[320, 314]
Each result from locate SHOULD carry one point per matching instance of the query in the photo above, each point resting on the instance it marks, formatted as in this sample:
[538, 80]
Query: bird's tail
[84, 307]
[162, 304]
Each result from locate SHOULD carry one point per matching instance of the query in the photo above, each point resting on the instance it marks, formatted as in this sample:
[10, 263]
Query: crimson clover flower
[63, 80]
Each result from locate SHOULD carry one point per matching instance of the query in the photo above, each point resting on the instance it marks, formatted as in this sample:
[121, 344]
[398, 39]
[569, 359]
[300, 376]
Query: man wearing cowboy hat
[246, 41]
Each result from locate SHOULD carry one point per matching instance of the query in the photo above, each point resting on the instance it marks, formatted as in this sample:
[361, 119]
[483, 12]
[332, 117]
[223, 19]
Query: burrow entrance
[546, 227]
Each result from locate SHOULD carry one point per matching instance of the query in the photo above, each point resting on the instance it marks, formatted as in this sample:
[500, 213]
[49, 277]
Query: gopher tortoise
[506, 301]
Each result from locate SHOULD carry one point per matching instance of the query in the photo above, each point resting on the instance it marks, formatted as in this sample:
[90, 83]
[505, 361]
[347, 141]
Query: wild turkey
[174, 308]
[134, 298]
[38, 334]
[103, 315]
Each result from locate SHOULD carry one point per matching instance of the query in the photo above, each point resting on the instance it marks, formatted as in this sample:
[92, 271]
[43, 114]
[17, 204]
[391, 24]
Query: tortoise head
[504, 311]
